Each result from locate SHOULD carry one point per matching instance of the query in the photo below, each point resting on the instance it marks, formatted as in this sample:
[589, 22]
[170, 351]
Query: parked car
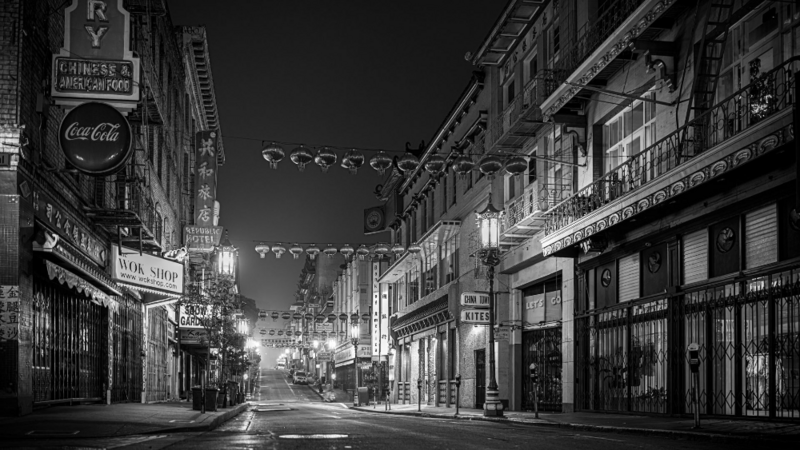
[299, 377]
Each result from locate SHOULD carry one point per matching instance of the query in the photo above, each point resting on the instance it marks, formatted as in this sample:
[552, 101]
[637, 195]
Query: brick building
[71, 332]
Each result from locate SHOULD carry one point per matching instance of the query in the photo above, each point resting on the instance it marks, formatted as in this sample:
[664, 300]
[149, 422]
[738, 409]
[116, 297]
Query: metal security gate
[70, 342]
[126, 336]
[158, 346]
[633, 358]
[543, 348]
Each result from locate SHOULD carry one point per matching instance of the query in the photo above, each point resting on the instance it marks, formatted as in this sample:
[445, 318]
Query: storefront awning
[64, 276]
[68, 257]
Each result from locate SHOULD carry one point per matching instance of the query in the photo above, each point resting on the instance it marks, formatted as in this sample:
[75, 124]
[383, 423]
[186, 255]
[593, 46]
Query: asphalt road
[286, 416]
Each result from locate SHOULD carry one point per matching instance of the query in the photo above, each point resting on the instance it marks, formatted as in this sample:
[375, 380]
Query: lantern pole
[489, 223]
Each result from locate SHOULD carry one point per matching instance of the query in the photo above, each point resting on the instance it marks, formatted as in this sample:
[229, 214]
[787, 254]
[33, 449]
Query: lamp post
[226, 257]
[354, 331]
[489, 253]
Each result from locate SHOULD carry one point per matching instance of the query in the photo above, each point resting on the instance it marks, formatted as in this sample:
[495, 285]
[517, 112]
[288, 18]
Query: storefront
[346, 364]
[541, 345]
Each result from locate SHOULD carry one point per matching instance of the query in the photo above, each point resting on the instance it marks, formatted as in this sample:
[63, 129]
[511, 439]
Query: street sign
[475, 299]
[324, 357]
[475, 316]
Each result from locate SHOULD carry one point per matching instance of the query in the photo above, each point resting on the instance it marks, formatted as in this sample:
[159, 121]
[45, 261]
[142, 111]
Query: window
[510, 91]
[413, 284]
[430, 276]
[432, 216]
[630, 132]
[532, 169]
[449, 266]
[444, 193]
[454, 182]
[531, 66]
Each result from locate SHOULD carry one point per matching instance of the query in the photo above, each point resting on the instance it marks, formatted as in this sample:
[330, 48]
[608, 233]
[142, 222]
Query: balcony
[522, 117]
[523, 218]
[601, 46]
[739, 129]
[126, 210]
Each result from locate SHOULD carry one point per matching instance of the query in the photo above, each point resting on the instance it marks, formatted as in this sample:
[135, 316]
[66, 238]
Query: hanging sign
[193, 336]
[475, 299]
[374, 219]
[205, 177]
[95, 138]
[148, 272]
[475, 316]
[201, 239]
[96, 61]
[324, 357]
[375, 322]
[194, 316]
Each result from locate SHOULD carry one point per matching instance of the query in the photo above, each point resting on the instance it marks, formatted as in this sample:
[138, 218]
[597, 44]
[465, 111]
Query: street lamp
[354, 331]
[226, 257]
[489, 253]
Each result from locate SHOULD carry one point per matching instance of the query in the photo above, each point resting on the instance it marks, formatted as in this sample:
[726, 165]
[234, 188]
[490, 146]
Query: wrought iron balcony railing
[126, 205]
[766, 95]
[523, 206]
[589, 38]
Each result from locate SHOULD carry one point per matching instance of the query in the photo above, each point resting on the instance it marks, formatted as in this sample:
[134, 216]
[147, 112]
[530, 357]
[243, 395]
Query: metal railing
[522, 206]
[768, 94]
[589, 38]
[126, 197]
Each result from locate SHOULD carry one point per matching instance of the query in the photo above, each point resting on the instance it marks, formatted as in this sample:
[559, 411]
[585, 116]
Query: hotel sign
[96, 61]
[201, 239]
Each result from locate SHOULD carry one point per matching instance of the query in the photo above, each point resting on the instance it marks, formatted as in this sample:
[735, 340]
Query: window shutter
[761, 237]
[695, 256]
[629, 278]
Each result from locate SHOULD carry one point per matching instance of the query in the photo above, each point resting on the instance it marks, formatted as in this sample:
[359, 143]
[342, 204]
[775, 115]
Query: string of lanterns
[318, 318]
[436, 164]
[378, 251]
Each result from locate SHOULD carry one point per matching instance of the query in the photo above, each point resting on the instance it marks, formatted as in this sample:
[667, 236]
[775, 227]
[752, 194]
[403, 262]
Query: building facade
[72, 330]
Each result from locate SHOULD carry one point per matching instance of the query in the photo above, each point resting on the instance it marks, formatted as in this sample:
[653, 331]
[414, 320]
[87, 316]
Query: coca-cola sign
[95, 138]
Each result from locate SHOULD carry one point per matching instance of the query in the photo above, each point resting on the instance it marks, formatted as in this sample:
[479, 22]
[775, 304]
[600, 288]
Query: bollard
[694, 366]
[458, 390]
[419, 395]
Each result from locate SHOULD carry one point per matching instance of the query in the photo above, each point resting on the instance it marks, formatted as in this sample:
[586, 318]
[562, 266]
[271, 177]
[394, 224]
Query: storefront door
[480, 378]
[542, 348]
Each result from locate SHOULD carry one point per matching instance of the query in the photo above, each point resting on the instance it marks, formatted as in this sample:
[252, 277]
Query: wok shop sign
[146, 273]
[95, 139]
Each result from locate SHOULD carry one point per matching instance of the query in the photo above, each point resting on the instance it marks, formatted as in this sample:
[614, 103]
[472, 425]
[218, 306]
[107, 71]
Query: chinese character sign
[9, 313]
[205, 177]
[375, 322]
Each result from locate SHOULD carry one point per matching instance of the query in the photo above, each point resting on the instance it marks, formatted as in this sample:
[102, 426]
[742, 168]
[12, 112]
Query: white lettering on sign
[474, 299]
[102, 132]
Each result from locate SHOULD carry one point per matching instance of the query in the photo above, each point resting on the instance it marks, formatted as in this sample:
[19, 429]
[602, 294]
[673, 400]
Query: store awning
[66, 256]
[73, 281]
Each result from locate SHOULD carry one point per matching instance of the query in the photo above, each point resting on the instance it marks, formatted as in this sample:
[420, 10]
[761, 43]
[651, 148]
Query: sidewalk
[119, 419]
[673, 426]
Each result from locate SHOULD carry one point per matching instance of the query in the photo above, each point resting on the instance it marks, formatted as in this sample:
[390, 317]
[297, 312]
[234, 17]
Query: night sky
[366, 74]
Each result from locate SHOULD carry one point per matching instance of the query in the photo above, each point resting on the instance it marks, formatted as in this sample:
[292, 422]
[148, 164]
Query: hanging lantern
[516, 165]
[343, 317]
[365, 318]
[271, 332]
[330, 250]
[280, 332]
[296, 251]
[352, 160]
[273, 153]
[354, 318]
[489, 165]
[380, 162]
[286, 315]
[301, 156]
[463, 165]
[262, 249]
[305, 333]
[278, 249]
[325, 158]
[414, 249]
[362, 252]
[381, 250]
[341, 334]
[435, 164]
[274, 315]
[347, 251]
[297, 316]
[319, 318]
[312, 251]
[263, 332]
[398, 249]
[308, 316]
[289, 333]
[262, 314]
[331, 317]
[408, 163]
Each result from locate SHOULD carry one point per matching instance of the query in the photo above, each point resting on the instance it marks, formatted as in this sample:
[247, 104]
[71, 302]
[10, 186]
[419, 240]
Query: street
[290, 416]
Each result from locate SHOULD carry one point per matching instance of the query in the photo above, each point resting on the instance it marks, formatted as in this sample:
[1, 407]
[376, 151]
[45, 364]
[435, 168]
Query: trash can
[232, 388]
[362, 397]
[197, 398]
[211, 399]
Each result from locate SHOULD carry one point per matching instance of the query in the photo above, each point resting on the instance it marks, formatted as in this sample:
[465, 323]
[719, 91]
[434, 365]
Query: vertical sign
[384, 350]
[9, 313]
[376, 310]
[205, 175]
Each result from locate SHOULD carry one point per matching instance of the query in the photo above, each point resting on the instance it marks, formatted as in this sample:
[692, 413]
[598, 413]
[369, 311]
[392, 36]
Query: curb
[214, 423]
[587, 427]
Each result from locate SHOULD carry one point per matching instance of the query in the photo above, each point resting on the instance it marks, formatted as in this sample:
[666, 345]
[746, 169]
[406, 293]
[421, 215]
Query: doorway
[480, 378]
